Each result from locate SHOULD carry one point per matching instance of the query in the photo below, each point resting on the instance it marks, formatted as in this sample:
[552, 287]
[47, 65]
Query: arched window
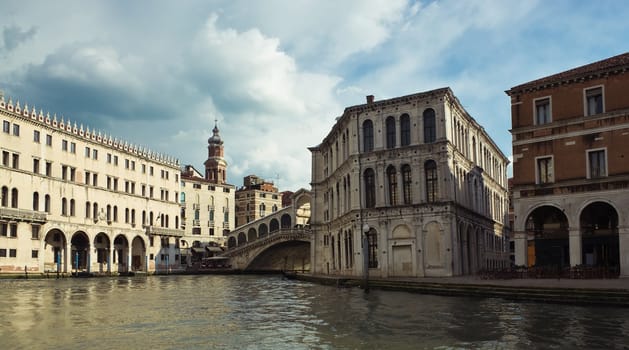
[370, 188]
[430, 131]
[88, 210]
[274, 209]
[5, 196]
[108, 212]
[390, 126]
[392, 182]
[367, 135]
[143, 217]
[35, 201]
[405, 130]
[115, 213]
[373, 248]
[72, 207]
[182, 197]
[176, 222]
[47, 203]
[474, 149]
[430, 167]
[126, 215]
[262, 209]
[406, 183]
[64, 207]
[95, 211]
[14, 198]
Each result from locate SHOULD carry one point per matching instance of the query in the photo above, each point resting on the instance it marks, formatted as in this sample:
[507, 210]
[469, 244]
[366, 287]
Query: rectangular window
[3, 253]
[151, 170]
[36, 136]
[64, 145]
[545, 170]
[88, 151]
[48, 169]
[126, 164]
[87, 177]
[151, 191]
[64, 172]
[13, 230]
[109, 158]
[16, 161]
[143, 168]
[72, 147]
[12, 253]
[6, 126]
[597, 164]
[95, 180]
[5, 158]
[143, 190]
[35, 231]
[4, 229]
[133, 165]
[95, 154]
[542, 111]
[36, 166]
[594, 101]
[16, 130]
[115, 184]
[116, 160]
[72, 174]
[34, 253]
[49, 140]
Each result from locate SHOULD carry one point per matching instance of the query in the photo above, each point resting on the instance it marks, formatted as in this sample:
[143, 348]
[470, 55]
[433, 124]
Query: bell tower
[215, 165]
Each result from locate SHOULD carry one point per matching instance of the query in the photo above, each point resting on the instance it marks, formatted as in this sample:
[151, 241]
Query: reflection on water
[263, 312]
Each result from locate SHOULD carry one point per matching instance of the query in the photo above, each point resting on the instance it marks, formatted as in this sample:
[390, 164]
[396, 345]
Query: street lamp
[366, 229]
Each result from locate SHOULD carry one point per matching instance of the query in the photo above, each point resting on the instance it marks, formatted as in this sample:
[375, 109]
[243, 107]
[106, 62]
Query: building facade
[73, 199]
[256, 199]
[418, 177]
[571, 178]
[207, 205]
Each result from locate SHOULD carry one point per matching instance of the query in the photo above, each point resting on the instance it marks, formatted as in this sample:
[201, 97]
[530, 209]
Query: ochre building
[420, 179]
[571, 168]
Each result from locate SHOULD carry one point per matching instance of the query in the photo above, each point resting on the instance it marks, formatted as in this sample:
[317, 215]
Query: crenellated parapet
[67, 126]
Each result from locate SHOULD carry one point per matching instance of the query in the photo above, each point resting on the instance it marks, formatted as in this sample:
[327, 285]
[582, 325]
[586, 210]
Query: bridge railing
[284, 235]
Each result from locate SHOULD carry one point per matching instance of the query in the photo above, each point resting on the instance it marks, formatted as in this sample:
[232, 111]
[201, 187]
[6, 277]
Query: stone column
[623, 247]
[129, 257]
[521, 248]
[574, 241]
[68, 258]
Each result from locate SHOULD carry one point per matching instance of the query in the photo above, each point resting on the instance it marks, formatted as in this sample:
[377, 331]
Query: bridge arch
[274, 225]
[286, 222]
[252, 235]
[242, 239]
[263, 229]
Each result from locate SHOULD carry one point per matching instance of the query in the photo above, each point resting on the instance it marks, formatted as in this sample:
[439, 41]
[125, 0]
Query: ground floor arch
[80, 251]
[138, 254]
[55, 254]
[121, 253]
[598, 224]
[547, 225]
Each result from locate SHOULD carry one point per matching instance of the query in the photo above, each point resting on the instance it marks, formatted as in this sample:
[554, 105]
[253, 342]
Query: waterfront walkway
[572, 291]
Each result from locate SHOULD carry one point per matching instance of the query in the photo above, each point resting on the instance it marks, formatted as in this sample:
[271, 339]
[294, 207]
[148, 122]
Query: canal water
[268, 312]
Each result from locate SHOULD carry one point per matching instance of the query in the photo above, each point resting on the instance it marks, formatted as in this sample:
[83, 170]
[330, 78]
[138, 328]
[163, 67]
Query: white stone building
[421, 178]
[74, 199]
[207, 205]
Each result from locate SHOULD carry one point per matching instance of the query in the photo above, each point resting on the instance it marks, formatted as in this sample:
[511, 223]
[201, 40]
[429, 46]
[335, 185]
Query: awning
[214, 249]
[198, 250]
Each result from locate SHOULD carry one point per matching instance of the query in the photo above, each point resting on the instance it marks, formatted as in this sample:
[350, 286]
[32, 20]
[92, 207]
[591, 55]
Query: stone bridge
[278, 241]
[279, 251]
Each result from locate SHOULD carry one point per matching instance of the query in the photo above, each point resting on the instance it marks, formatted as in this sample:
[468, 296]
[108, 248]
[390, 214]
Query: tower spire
[215, 165]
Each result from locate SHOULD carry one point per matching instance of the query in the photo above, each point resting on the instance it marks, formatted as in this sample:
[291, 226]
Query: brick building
[571, 178]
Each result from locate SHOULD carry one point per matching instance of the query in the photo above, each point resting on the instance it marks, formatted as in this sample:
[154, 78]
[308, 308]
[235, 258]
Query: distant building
[73, 199]
[256, 199]
[571, 178]
[207, 205]
[417, 175]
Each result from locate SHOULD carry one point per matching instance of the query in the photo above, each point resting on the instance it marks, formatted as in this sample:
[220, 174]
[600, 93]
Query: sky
[275, 74]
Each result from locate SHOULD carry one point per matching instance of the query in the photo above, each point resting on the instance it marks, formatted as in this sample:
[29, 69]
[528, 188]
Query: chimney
[369, 99]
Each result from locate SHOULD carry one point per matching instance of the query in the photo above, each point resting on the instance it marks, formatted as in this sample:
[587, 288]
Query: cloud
[13, 36]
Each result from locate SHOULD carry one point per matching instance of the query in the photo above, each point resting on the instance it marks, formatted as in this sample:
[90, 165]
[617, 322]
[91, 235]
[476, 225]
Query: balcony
[161, 231]
[196, 223]
[13, 214]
